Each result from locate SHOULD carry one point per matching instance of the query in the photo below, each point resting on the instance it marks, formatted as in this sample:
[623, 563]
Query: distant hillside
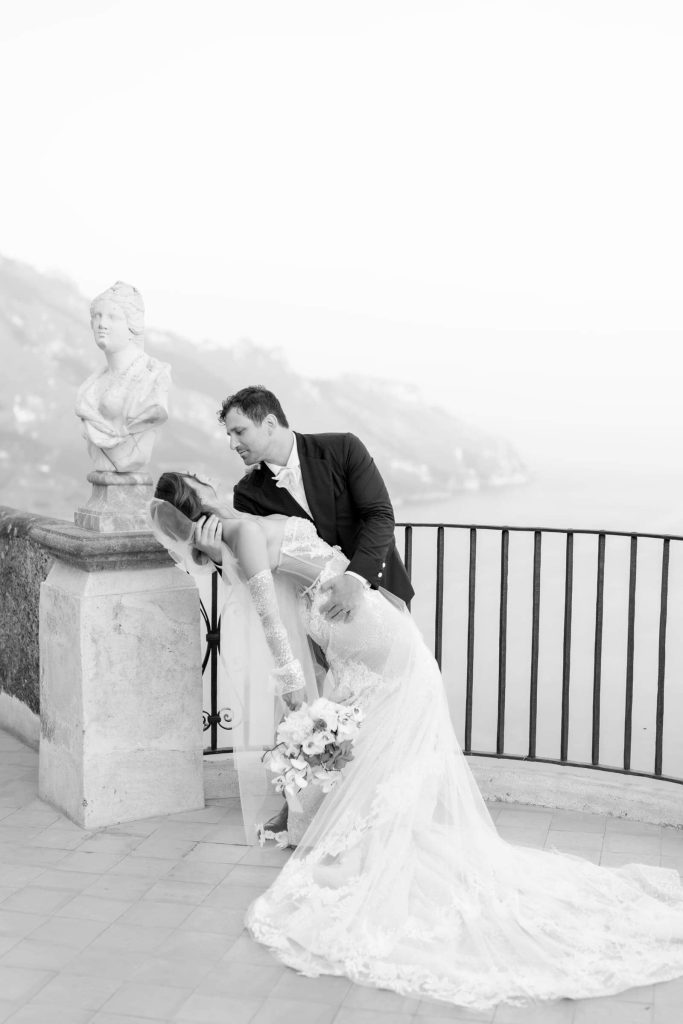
[47, 350]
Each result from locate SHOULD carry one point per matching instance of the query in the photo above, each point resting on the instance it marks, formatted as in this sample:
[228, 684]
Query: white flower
[315, 744]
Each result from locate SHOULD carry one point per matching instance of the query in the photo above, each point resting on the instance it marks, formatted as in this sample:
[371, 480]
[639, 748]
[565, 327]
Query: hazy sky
[374, 185]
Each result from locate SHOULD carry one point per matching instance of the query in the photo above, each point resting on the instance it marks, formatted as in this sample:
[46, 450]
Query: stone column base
[121, 689]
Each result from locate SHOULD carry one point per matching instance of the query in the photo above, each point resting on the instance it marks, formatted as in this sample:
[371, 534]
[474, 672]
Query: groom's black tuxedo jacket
[349, 505]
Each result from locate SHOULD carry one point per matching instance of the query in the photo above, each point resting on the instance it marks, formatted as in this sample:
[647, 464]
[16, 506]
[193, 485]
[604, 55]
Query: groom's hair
[255, 402]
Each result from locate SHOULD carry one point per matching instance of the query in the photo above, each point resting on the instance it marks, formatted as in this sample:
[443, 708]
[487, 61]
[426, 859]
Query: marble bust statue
[121, 405]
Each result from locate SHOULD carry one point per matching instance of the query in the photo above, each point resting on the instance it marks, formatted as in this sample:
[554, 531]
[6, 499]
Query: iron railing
[220, 718]
[535, 587]
[217, 718]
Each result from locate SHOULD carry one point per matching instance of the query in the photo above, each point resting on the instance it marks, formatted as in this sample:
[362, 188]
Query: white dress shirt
[291, 481]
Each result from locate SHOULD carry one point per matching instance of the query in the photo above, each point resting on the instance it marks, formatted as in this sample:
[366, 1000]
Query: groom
[328, 478]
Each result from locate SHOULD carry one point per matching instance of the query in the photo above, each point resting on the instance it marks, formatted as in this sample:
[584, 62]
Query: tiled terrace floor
[143, 922]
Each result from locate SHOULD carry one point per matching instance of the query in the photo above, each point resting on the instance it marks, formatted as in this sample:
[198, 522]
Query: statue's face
[110, 327]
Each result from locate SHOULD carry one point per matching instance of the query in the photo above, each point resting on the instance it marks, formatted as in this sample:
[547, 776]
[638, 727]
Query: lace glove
[288, 676]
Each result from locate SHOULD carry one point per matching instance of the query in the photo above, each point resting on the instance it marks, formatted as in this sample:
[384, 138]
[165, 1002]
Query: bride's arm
[255, 542]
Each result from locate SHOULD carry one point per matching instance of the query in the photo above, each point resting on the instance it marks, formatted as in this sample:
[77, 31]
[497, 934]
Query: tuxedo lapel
[319, 488]
[279, 497]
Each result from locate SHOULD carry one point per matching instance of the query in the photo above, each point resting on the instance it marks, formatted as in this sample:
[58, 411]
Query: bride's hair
[174, 488]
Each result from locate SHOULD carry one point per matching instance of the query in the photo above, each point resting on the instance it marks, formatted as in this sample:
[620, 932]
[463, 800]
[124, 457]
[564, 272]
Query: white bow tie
[286, 477]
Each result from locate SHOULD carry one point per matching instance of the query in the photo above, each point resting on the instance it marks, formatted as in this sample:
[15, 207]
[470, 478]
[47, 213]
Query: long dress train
[402, 882]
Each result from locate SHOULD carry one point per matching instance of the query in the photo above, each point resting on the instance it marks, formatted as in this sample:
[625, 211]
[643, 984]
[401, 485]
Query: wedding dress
[401, 880]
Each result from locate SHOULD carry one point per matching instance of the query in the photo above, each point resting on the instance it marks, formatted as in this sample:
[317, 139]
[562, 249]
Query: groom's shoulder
[321, 443]
[252, 478]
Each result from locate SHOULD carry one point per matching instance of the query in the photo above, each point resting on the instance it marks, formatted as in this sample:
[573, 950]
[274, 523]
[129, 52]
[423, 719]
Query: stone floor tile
[324, 989]
[175, 891]
[74, 932]
[158, 1002]
[156, 914]
[7, 1009]
[672, 840]
[230, 834]
[352, 1015]
[294, 1011]
[234, 897]
[219, 852]
[22, 983]
[667, 1014]
[92, 908]
[208, 872]
[35, 953]
[8, 942]
[75, 881]
[105, 963]
[360, 997]
[675, 863]
[201, 1008]
[129, 937]
[245, 950]
[211, 814]
[264, 856]
[142, 867]
[16, 923]
[91, 863]
[669, 992]
[569, 841]
[144, 827]
[577, 821]
[33, 899]
[260, 875]
[34, 1013]
[172, 831]
[194, 945]
[35, 855]
[79, 990]
[430, 1011]
[214, 920]
[6, 890]
[249, 981]
[640, 994]
[612, 859]
[611, 1010]
[625, 842]
[16, 876]
[533, 838]
[625, 826]
[15, 834]
[125, 888]
[103, 843]
[59, 839]
[188, 974]
[33, 817]
[561, 1012]
[164, 849]
[527, 818]
[102, 1017]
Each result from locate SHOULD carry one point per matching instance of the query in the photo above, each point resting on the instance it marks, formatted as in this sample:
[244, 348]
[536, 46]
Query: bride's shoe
[278, 823]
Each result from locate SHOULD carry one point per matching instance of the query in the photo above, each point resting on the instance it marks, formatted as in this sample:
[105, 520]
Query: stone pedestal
[120, 680]
[117, 503]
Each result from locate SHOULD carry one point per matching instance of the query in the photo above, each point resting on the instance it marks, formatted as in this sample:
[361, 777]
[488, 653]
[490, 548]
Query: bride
[401, 880]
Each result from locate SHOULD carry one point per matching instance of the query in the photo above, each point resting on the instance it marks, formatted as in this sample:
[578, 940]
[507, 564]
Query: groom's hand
[345, 595]
[208, 534]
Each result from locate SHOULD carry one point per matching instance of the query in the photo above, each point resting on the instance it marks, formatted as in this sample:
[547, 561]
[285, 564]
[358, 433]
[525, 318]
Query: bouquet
[313, 745]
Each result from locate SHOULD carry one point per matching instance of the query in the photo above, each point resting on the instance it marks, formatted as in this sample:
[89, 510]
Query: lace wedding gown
[401, 880]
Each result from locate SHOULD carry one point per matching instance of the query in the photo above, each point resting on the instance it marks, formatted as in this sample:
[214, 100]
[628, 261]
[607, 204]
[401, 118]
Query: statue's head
[117, 317]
